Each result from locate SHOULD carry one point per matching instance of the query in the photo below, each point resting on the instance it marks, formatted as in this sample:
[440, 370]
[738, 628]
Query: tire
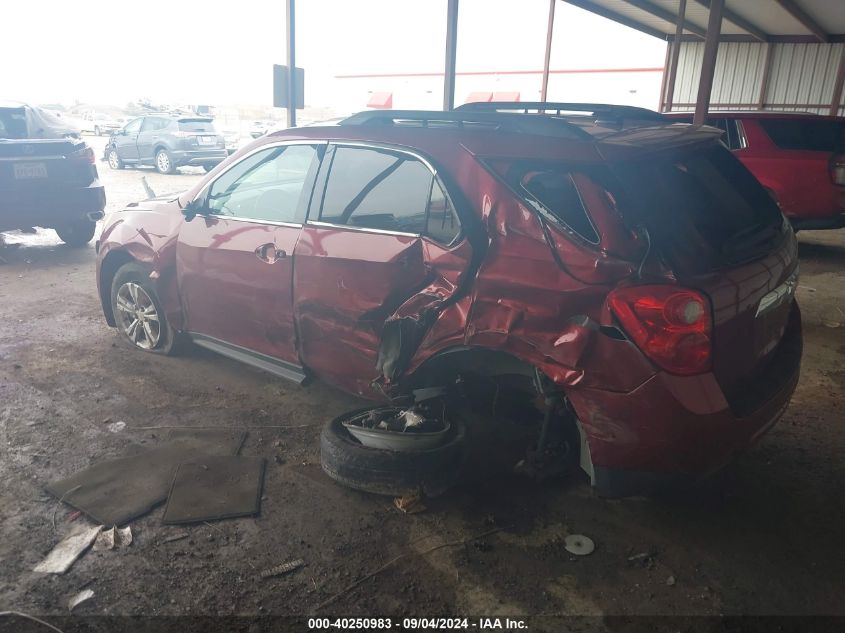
[146, 336]
[208, 168]
[114, 159]
[78, 233]
[394, 473]
[97, 131]
[164, 162]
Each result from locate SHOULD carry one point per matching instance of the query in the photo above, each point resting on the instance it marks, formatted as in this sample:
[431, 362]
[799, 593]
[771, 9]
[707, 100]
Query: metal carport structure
[753, 54]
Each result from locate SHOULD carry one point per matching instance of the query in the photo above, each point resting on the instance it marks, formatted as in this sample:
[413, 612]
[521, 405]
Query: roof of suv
[502, 134]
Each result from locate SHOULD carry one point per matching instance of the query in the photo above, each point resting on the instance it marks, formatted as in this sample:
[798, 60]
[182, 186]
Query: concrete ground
[764, 537]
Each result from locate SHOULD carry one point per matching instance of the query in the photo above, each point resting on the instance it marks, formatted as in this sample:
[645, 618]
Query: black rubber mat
[116, 491]
[215, 488]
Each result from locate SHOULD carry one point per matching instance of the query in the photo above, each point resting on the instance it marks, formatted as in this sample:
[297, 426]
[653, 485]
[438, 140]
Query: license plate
[208, 140]
[28, 171]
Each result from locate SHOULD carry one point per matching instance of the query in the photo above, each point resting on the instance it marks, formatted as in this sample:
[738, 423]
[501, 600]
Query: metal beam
[708, 64]
[799, 14]
[587, 5]
[544, 89]
[838, 86]
[663, 14]
[451, 55]
[764, 82]
[676, 53]
[756, 32]
[773, 39]
[665, 76]
[290, 12]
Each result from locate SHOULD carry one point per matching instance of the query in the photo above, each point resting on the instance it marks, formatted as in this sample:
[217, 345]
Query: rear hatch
[199, 134]
[711, 223]
[38, 164]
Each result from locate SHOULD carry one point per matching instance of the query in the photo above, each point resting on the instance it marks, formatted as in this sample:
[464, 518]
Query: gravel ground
[763, 537]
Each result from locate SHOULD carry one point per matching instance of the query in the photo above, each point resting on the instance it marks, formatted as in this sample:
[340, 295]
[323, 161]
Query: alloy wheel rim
[113, 159]
[137, 316]
[163, 162]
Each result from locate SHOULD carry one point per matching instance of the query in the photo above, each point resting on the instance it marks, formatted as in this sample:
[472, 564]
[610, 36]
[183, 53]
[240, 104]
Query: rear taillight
[86, 154]
[671, 325]
[837, 169]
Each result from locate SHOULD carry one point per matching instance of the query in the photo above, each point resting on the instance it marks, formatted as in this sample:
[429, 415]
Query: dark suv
[167, 142]
[642, 279]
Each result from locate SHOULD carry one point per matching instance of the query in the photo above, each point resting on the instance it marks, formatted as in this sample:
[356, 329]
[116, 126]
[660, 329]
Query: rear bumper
[674, 430]
[199, 157]
[818, 224]
[49, 207]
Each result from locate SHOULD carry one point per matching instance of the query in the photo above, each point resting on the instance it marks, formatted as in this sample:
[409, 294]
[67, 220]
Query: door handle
[269, 254]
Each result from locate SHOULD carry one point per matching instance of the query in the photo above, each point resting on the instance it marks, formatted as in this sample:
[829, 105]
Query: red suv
[798, 158]
[642, 278]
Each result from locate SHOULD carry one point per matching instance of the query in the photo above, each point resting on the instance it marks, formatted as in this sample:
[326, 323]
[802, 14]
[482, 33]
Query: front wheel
[78, 233]
[138, 312]
[164, 162]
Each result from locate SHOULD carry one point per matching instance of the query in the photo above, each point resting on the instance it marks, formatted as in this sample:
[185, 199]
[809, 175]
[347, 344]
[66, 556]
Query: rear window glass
[197, 125]
[12, 123]
[701, 206]
[818, 135]
[550, 189]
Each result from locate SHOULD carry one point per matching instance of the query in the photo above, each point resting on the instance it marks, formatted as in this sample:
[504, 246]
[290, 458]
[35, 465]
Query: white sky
[183, 51]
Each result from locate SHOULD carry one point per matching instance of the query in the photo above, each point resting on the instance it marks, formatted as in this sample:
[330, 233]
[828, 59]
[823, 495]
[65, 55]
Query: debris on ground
[411, 504]
[176, 537]
[116, 491]
[70, 548]
[113, 538]
[579, 544]
[116, 427]
[79, 598]
[218, 487]
[671, 581]
[419, 427]
[284, 568]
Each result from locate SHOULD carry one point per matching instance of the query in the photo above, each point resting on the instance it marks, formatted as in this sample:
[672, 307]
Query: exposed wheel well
[108, 270]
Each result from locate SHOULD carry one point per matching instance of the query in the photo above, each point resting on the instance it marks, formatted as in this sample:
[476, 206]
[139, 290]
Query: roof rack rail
[601, 110]
[545, 126]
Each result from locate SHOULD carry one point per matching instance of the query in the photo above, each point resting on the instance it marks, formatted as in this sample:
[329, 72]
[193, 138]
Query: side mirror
[194, 208]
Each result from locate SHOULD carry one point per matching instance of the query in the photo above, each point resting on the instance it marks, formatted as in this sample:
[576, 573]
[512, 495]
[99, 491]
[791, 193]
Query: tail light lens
[671, 325]
[86, 154]
[837, 169]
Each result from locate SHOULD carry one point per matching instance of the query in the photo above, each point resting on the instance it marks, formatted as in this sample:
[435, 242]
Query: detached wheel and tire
[387, 472]
[138, 313]
[77, 233]
[164, 162]
[114, 159]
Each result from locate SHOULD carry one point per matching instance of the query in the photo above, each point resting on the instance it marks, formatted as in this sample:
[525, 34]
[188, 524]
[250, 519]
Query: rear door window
[818, 135]
[389, 191]
[12, 123]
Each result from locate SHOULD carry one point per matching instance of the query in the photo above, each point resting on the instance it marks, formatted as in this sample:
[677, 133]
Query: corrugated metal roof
[768, 16]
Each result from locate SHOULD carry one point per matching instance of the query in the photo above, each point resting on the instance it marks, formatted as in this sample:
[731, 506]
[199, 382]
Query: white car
[98, 123]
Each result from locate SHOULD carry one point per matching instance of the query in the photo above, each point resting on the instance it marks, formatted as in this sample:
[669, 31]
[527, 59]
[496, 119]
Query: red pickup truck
[799, 158]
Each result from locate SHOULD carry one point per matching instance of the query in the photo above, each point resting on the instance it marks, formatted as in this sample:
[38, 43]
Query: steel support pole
[838, 86]
[708, 64]
[290, 11]
[676, 53]
[544, 89]
[451, 54]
